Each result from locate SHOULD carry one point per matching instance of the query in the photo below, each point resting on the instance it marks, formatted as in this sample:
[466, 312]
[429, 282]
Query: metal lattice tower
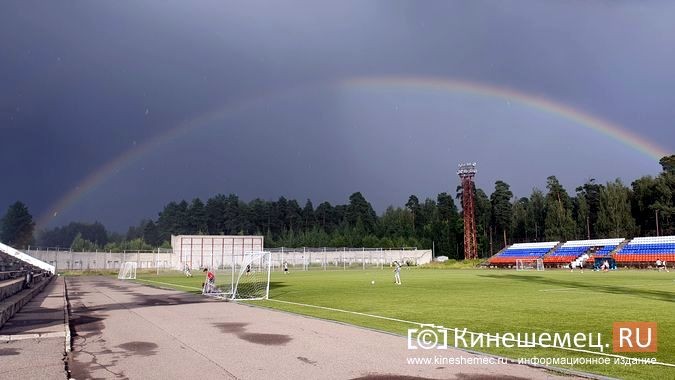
[466, 172]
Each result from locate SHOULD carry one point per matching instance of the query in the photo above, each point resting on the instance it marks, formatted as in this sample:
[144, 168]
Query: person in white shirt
[397, 273]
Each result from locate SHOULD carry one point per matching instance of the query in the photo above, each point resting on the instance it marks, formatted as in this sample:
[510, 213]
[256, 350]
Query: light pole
[466, 172]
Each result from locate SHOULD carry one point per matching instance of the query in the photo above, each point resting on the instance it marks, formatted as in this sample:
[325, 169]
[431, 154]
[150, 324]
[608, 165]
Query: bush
[453, 264]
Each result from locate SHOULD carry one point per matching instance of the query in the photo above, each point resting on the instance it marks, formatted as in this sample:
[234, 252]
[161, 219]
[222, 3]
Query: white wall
[212, 251]
[340, 258]
[65, 260]
[330, 259]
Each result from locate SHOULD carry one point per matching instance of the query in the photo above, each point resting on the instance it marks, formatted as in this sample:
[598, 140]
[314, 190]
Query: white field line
[560, 290]
[469, 332]
[349, 312]
[425, 325]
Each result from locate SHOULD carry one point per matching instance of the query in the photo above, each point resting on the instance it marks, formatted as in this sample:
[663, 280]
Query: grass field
[488, 301]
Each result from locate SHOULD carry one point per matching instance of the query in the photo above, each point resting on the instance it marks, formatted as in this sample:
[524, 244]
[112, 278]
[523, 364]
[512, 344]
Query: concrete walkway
[33, 342]
[128, 330]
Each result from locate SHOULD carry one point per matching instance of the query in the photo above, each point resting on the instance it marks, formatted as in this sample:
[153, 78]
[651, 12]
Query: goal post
[529, 264]
[253, 279]
[127, 271]
[247, 278]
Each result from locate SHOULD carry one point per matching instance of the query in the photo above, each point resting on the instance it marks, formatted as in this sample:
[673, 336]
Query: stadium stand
[21, 277]
[573, 249]
[647, 250]
[639, 251]
[524, 251]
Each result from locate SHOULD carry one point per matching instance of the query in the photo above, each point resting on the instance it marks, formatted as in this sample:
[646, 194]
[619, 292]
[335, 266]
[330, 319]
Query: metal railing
[336, 249]
[68, 249]
[327, 258]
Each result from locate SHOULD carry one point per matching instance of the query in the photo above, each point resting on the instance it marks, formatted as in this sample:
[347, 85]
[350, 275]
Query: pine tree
[614, 218]
[308, 216]
[197, 220]
[17, 226]
[559, 223]
[502, 211]
[360, 209]
[413, 205]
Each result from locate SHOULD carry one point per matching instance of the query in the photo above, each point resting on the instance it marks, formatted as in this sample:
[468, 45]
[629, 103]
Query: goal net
[127, 271]
[247, 278]
[529, 264]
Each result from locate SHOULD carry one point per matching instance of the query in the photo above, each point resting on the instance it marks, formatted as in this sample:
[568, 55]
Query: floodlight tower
[466, 172]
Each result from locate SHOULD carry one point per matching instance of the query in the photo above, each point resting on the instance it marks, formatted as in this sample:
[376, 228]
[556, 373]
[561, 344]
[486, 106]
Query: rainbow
[389, 83]
[133, 154]
[540, 103]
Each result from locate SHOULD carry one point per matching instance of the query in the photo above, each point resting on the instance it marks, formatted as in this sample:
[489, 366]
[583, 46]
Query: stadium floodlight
[466, 169]
[466, 172]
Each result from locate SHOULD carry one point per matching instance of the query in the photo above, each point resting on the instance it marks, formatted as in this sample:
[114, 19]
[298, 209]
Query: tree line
[593, 211]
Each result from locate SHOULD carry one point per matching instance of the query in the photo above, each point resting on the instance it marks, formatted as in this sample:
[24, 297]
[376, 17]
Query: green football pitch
[486, 301]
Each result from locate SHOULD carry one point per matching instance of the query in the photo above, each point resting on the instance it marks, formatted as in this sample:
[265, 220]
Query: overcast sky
[267, 88]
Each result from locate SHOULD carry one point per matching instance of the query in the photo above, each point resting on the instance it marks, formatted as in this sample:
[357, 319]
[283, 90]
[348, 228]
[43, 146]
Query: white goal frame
[127, 271]
[249, 277]
[529, 264]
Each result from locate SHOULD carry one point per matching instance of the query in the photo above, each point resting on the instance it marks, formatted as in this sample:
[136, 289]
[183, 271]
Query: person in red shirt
[210, 283]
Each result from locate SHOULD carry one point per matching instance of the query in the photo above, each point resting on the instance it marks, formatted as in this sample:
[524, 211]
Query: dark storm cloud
[82, 82]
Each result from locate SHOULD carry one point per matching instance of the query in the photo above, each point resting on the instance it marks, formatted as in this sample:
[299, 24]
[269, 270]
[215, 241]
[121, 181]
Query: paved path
[128, 330]
[33, 342]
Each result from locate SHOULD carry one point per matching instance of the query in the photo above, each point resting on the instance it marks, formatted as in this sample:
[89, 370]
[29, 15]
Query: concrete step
[36, 339]
[12, 304]
[10, 287]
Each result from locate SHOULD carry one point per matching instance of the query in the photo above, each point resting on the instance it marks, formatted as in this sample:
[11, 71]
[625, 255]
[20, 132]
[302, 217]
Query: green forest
[593, 210]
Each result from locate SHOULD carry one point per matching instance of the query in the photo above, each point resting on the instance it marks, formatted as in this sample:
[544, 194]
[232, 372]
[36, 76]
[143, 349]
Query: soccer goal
[248, 278]
[529, 264]
[127, 271]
